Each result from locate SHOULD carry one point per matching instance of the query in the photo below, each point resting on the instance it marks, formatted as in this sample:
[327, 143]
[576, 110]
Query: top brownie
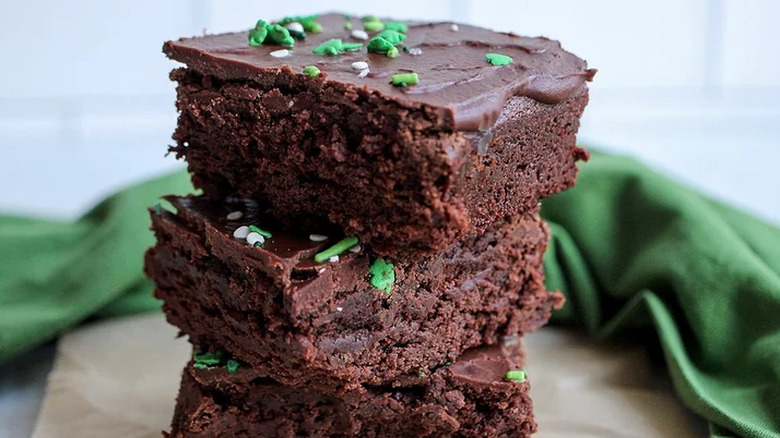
[405, 165]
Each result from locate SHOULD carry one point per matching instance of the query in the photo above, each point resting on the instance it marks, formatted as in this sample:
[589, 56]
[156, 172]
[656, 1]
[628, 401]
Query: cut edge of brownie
[353, 333]
[470, 397]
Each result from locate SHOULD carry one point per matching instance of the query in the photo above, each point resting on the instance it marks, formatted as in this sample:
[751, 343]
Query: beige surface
[119, 379]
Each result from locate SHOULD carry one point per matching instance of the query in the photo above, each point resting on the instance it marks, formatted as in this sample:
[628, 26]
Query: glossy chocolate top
[454, 75]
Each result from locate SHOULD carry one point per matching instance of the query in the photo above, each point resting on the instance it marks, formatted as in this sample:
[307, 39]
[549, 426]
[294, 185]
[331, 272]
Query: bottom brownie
[472, 397]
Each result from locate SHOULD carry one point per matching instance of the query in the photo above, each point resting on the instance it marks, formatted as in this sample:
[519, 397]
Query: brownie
[470, 398]
[341, 323]
[417, 167]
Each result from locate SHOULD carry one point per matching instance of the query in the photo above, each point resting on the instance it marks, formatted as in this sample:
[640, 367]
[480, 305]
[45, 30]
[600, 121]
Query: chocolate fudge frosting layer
[470, 398]
[326, 324]
[467, 92]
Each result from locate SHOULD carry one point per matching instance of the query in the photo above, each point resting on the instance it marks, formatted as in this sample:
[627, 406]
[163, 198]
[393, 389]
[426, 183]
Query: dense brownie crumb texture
[316, 309]
[406, 135]
[484, 393]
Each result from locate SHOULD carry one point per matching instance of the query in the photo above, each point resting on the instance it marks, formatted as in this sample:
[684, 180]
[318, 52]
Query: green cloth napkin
[630, 249]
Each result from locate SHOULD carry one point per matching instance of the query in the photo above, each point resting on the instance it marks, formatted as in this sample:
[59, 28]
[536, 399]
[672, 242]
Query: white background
[692, 86]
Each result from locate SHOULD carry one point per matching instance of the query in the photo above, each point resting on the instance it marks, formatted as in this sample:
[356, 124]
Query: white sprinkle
[280, 53]
[363, 73]
[317, 237]
[359, 65]
[339, 309]
[359, 34]
[334, 259]
[355, 249]
[241, 232]
[253, 238]
[321, 271]
[415, 51]
[454, 27]
[290, 103]
[295, 27]
[234, 216]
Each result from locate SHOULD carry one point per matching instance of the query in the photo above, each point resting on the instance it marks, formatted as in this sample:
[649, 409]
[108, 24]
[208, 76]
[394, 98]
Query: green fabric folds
[630, 249]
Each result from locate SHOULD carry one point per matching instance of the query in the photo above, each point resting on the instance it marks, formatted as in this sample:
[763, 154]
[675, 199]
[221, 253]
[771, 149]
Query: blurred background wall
[692, 86]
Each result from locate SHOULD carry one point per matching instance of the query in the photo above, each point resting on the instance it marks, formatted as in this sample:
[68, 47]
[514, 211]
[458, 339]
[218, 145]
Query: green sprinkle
[392, 36]
[208, 358]
[370, 18]
[280, 35]
[297, 35]
[258, 34]
[341, 246]
[379, 45]
[392, 53]
[516, 375]
[373, 26]
[448, 363]
[498, 59]
[396, 26]
[405, 79]
[382, 275]
[199, 366]
[351, 47]
[312, 26]
[311, 71]
[158, 209]
[420, 373]
[347, 25]
[260, 231]
[330, 47]
[232, 366]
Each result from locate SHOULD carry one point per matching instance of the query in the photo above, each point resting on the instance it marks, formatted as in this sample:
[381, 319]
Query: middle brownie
[327, 324]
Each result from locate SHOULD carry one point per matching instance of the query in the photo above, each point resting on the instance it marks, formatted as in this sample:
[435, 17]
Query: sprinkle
[241, 232]
[294, 26]
[312, 26]
[260, 231]
[341, 246]
[199, 366]
[280, 35]
[255, 239]
[347, 25]
[335, 46]
[368, 18]
[392, 53]
[334, 259]
[355, 249]
[448, 363]
[258, 35]
[396, 26]
[421, 373]
[339, 309]
[208, 358]
[498, 59]
[382, 275]
[359, 65]
[454, 27]
[415, 51]
[158, 209]
[373, 26]
[311, 71]
[234, 216]
[516, 375]
[318, 237]
[363, 73]
[308, 22]
[404, 79]
[280, 53]
[232, 366]
[394, 37]
[321, 271]
[359, 34]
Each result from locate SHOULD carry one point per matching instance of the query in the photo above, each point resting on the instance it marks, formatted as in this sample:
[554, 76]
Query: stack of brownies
[367, 251]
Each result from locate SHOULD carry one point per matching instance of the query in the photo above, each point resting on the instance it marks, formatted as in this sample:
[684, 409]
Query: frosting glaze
[454, 76]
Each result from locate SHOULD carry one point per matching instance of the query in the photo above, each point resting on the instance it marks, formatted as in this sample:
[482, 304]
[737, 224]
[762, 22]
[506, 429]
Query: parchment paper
[119, 379]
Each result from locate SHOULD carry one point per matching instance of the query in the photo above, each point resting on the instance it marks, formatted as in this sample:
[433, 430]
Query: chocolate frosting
[454, 76]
